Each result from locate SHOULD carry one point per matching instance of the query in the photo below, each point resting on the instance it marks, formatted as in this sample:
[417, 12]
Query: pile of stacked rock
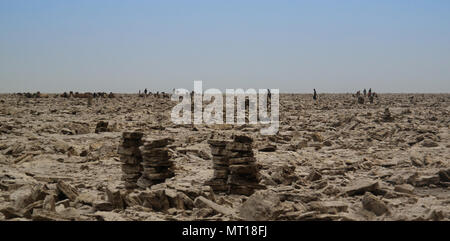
[131, 158]
[156, 162]
[387, 117]
[102, 126]
[220, 165]
[243, 175]
[235, 169]
[360, 100]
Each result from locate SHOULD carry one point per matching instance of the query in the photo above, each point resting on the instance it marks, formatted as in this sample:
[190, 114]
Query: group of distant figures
[366, 93]
[157, 94]
[70, 94]
[88, 95]
[361, 98]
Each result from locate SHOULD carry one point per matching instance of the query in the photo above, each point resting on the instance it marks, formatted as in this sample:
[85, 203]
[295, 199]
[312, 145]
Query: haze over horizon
[125, 46]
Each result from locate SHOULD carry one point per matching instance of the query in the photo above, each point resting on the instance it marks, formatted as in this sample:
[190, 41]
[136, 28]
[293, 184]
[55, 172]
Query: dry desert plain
[332, 159]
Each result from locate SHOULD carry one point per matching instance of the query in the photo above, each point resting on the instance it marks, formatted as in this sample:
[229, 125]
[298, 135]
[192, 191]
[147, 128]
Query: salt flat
[332, 159]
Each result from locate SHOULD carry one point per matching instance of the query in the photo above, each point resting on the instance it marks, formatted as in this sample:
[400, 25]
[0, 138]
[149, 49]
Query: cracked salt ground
[333, 159]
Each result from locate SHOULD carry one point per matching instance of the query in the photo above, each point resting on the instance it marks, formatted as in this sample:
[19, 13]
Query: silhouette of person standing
[315, 95]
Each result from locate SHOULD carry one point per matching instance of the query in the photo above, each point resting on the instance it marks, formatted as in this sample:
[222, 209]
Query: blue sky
[124, 46]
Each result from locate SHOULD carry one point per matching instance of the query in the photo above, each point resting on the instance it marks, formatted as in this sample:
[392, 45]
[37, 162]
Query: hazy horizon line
[154, 92]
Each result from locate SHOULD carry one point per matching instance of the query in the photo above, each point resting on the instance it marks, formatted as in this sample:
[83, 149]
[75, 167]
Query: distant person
[315, 95]
[364, 92]
[370, 92]
[269, 100]
[145, 91]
